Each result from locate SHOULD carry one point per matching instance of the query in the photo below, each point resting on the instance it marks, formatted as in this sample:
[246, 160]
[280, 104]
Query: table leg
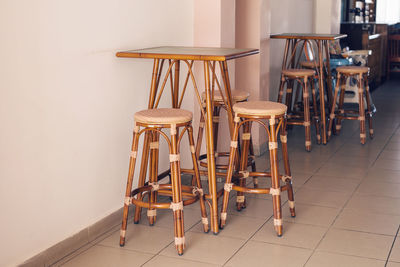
[285, 54]
[212, 181]
[322, 91]
[175, 93]
[225, 78]
[329, 78]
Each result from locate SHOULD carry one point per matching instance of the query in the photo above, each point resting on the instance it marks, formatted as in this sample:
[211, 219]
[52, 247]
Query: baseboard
[68, 246]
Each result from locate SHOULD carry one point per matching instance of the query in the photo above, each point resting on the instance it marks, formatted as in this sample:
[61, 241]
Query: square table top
[189, 53]
[309, 36]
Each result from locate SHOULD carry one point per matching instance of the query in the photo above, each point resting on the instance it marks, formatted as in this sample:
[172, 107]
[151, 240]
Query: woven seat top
[260, 108]
[237, 95]
[298, 72]
[163, 116]
[309, 64]
[352, 69]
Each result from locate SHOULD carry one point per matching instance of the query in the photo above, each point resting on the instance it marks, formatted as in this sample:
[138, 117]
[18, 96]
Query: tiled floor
[347, 203]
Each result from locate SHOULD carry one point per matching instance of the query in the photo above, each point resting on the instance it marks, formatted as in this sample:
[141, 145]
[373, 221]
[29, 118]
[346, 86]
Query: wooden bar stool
[218, 101]
[153, 121]
[274, 113]
[304, 77]
[361, 74]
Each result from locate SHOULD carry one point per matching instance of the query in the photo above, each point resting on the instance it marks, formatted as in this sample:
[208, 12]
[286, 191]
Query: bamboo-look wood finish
[272, 128]
[341, 113]
[175, 189]
[322, 42]
[216, 118]
[188, 55]
[305, 81]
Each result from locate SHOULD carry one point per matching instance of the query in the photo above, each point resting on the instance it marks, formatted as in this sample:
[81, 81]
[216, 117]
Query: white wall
[327, 16]
[66, 110]
[286, 16]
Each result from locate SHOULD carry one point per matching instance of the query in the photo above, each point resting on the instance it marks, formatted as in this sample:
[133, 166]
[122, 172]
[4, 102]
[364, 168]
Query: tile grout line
[391, 248]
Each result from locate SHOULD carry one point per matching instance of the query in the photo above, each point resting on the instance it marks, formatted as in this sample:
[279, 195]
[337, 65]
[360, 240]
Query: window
[388, 11]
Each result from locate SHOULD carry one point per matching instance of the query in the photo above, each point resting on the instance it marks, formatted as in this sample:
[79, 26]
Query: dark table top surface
[310, 36]
[189, 53]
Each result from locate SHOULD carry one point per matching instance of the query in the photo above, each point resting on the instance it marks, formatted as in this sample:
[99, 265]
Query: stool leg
[276, 198]
[368, 98]
[307, 123]
[315, 109]
[332, 115]
[288, 176]
[199, 140]
[361, 109]
[240, 199]
[231, 167]
[289, 93]
[253, 163]
[215, 125]
[177, 204]
[204, 218]
[142, 174]
[131, 172]
[151, 212]
[282, 85]
[340, 105]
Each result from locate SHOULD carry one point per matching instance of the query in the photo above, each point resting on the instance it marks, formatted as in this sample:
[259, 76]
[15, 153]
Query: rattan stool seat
[298, 72]
[260, 108]
[352, 69]
[309, 64]
[237, 95]
[163, 116]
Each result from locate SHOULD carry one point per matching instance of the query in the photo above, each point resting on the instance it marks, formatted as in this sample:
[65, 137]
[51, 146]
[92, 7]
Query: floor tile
[99, 256]
[294, 234]
[256, 208]
[390, 154]
[368, 222]
[376, 188]
[241, 227]
[395, 254]
[384, 176]
[165, 218]
[393, 264]
[175, 262]
[149, 239]
[352, 161]
[310, 214]
[331, 169]
[393, 145]
[388, 164]
[374, 204]
[262, 254]
[322, 198]
[206, 248]
[326, 259]
[356, 244]
[322, 182]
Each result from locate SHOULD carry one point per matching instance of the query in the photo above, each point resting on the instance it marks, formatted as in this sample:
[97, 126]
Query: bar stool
[153, 121]
[302, 76]
[245, 114]
[361, 74]
[218, 102]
